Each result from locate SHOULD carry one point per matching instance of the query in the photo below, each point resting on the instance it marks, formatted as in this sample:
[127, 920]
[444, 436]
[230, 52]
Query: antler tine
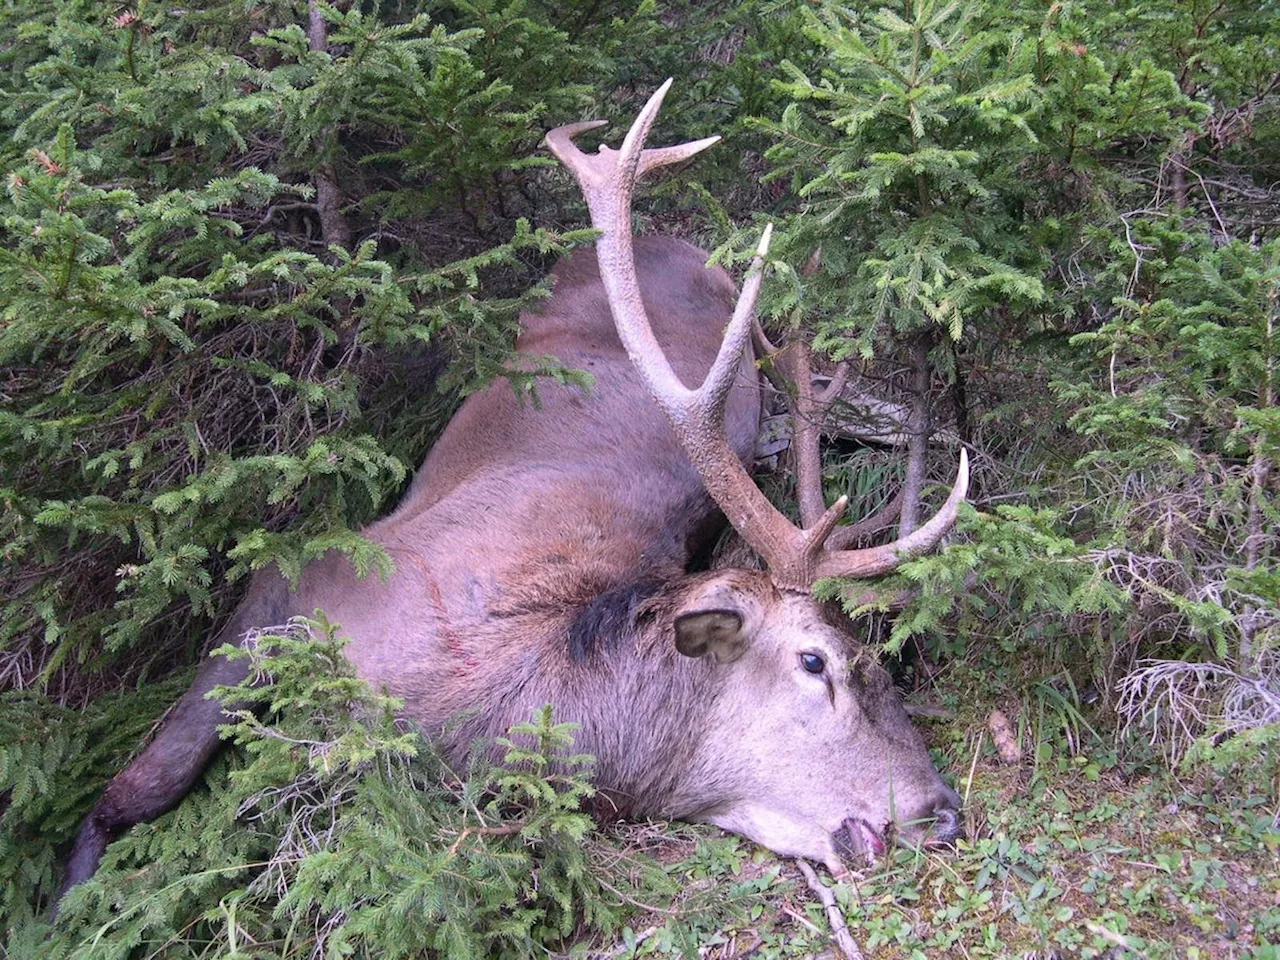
[560, 142]
[632, 156]
[807, 411]
[833, 389]
[764, 346]
[737, 334]
[610, 175]
[874, 561]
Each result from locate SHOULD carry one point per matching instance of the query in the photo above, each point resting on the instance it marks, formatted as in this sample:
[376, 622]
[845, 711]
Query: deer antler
[788, 368]
[795, 556]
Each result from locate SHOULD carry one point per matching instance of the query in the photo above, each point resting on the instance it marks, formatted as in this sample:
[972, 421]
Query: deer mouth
[859, 840]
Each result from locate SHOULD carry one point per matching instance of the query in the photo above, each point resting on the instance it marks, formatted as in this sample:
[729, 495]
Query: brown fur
[530, 530]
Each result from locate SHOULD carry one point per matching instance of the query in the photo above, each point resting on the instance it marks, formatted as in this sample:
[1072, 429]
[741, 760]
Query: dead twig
[1112, 937]
[506, 830]
[622, 948]
[839, 929]
[801, 919]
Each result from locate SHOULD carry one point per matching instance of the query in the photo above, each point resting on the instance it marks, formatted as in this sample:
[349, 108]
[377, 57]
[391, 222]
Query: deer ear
[711, 631]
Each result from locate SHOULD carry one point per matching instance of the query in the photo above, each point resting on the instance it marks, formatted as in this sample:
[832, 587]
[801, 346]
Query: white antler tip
[961, 488]
[651, 107]
[763, 247]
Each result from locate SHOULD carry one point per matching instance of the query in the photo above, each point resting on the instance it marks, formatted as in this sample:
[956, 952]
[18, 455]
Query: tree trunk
[333, 225]
[1180, 158]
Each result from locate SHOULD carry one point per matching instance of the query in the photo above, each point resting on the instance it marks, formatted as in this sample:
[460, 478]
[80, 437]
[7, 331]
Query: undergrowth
[331, 829]
[334, 830]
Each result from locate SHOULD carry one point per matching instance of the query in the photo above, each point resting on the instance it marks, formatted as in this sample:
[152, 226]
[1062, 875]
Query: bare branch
[839, 929]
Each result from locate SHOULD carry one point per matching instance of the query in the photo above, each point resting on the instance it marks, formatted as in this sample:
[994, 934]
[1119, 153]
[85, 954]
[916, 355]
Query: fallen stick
[839, 929]
[618, 951]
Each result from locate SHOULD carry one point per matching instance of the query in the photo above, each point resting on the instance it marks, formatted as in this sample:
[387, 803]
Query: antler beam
[795, 556]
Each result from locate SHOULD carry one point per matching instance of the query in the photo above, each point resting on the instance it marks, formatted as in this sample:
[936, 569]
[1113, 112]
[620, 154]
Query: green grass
[1069, 856]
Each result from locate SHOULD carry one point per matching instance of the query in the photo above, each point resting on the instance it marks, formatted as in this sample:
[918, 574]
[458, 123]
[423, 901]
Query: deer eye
[812, 662]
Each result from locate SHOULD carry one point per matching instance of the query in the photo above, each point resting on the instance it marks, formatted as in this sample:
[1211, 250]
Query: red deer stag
[541, 556]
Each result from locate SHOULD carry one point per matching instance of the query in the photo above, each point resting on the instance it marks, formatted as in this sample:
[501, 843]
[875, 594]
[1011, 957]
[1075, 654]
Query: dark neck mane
[610, 666]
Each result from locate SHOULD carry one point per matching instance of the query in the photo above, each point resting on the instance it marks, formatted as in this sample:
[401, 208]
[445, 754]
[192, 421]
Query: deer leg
[162, 774]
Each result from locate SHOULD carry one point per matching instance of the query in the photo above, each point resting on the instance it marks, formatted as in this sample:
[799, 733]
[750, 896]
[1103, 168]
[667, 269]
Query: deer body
[541, 556]
[519, 517]
[539, 508]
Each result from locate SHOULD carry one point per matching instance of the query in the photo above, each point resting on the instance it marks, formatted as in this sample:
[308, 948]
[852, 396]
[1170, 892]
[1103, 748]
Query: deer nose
[947, 826]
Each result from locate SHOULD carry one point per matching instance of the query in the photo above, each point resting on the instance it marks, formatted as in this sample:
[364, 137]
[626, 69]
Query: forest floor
[1074, 852]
